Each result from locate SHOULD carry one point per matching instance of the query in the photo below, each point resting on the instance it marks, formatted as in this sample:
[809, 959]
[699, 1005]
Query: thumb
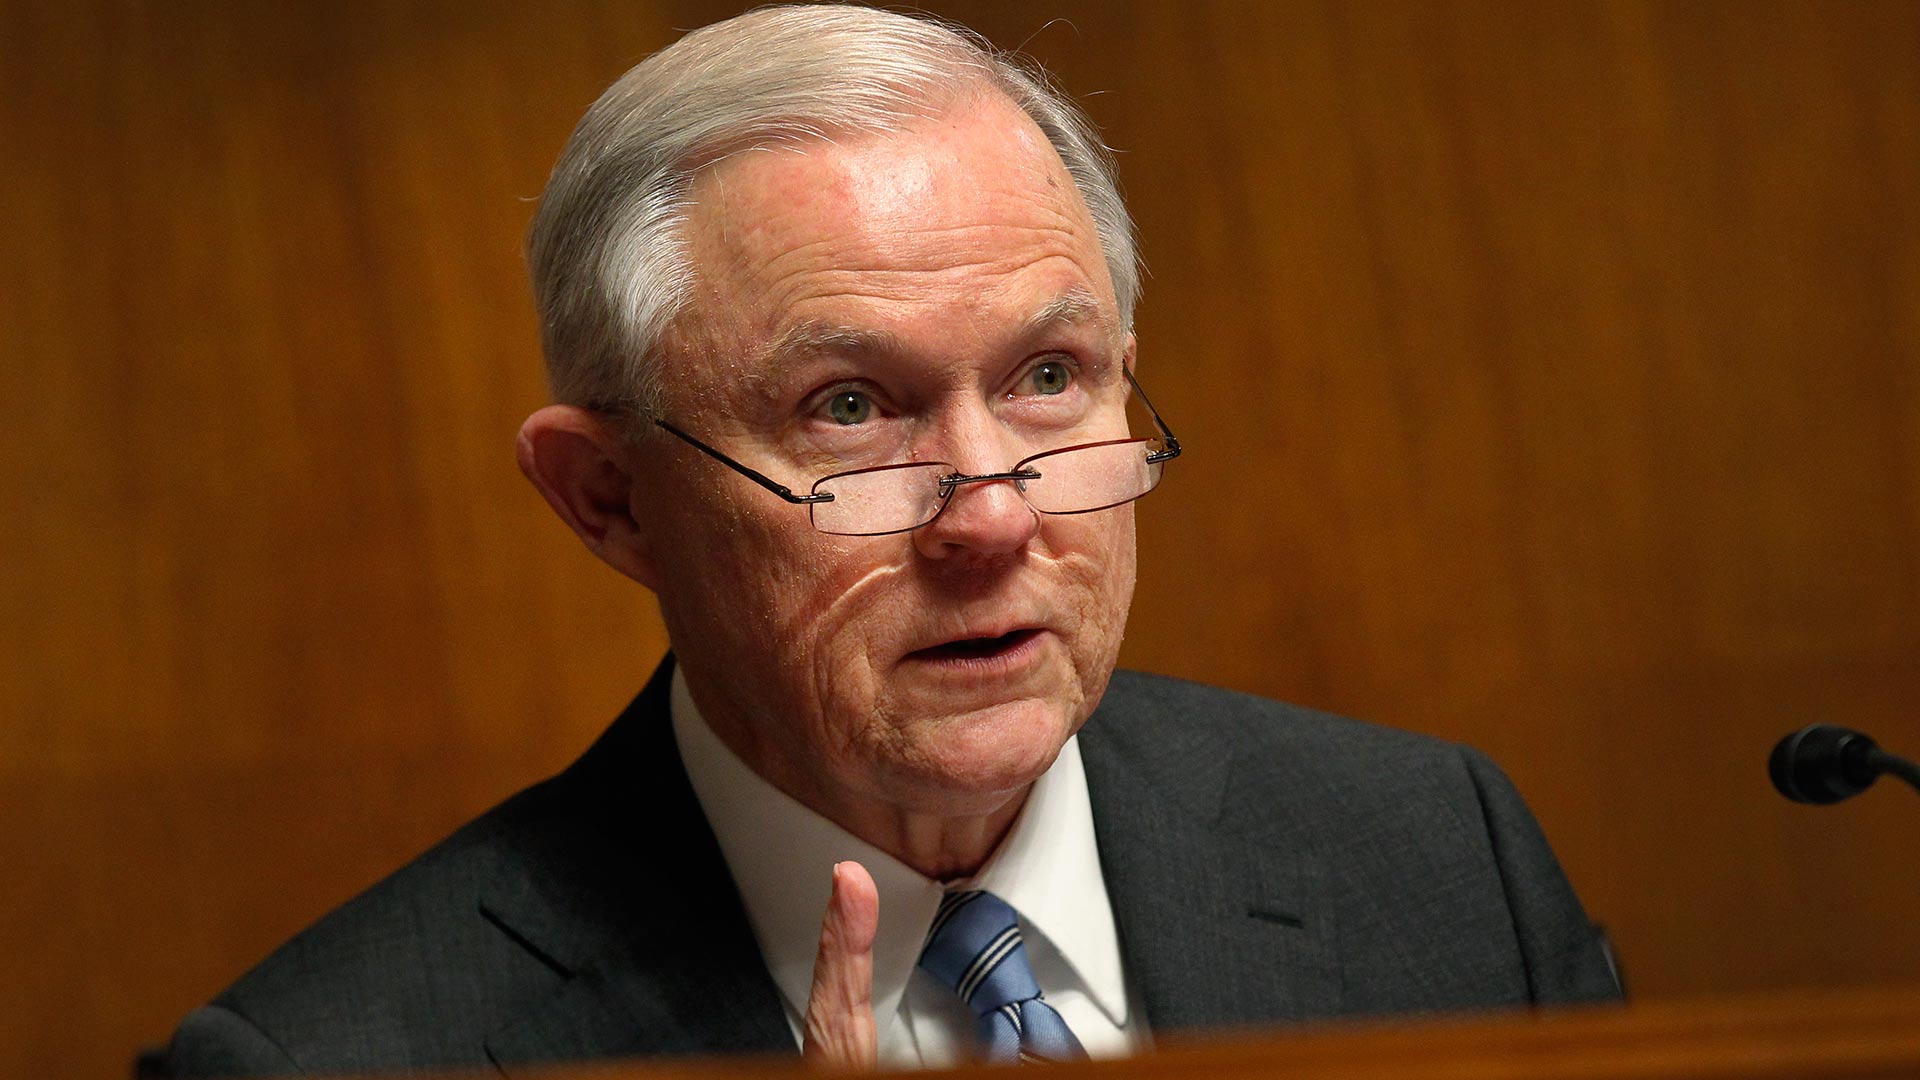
[839, 1026]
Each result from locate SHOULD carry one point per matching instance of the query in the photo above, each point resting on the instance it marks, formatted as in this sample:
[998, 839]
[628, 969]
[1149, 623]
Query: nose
[984, 517]
[989, 517]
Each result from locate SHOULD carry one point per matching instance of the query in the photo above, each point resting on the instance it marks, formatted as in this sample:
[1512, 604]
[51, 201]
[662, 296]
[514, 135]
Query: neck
[940, 848]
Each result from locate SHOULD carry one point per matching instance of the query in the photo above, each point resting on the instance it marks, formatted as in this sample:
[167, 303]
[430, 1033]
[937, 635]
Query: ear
[1130, 353]
[583, 467]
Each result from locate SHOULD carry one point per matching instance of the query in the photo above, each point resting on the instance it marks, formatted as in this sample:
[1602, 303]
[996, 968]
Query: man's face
[937, 294]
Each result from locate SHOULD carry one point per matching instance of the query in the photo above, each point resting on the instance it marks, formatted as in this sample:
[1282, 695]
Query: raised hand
[839, 1025]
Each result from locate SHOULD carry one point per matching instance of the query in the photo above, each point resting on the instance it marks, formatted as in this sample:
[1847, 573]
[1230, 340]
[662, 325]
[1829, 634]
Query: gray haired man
[837, 305]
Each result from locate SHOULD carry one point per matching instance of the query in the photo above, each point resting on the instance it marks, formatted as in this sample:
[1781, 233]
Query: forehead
[960, 223]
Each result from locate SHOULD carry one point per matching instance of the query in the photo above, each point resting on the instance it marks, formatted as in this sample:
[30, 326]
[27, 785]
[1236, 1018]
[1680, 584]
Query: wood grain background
[1548, 372]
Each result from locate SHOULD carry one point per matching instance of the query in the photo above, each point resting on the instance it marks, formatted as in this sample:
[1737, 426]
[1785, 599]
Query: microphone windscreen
[1822, 763]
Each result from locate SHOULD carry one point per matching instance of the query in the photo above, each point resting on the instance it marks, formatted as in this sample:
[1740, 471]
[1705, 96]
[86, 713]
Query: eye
[850, 407]
[1052, 377]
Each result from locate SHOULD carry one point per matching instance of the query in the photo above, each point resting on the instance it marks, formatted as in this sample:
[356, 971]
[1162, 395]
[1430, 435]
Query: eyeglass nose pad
[1017, 479]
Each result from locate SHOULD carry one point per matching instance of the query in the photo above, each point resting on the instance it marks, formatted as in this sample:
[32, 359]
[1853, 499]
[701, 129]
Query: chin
[973, 762]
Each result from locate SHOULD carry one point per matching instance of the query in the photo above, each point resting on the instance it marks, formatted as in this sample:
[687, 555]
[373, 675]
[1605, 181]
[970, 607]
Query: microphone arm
[1895, 765]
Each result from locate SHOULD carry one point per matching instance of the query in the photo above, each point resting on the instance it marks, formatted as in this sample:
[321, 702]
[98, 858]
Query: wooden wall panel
[1549, 374]
[278, 607]
[1558, 369]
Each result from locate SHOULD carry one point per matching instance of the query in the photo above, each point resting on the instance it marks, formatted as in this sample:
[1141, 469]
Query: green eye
[850, 407]
[1051, 378]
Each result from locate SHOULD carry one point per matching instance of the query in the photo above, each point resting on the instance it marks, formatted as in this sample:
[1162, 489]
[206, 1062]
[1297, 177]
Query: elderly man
[837, 309]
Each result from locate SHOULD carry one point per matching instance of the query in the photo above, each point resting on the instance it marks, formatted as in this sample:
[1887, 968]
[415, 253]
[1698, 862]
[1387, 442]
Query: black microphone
[1822, 763]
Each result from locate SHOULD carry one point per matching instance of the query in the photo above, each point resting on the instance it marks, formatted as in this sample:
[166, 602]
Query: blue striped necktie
[975, 948]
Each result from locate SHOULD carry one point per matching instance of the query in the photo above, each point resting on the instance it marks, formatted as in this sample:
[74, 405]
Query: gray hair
[606, 250]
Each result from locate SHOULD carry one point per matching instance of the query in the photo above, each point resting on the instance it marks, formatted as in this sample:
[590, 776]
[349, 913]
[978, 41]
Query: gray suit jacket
[1265, 863]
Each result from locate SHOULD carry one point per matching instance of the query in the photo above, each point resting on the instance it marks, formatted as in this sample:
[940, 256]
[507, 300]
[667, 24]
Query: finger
[839, 1027]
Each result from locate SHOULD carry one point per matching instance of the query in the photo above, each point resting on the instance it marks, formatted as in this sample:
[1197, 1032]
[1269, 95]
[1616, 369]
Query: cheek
[721, 580]
[1097, 557]
[1118, 579]
[769, 594]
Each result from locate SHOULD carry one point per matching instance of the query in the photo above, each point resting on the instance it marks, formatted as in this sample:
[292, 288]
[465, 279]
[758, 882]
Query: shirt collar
[1047, 867]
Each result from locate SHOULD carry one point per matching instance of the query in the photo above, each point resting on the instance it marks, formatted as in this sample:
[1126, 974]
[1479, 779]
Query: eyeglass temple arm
[777, 488]
[1173, 444]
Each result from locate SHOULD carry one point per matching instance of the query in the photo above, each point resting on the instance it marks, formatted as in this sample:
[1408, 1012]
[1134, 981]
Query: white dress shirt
[781, 855]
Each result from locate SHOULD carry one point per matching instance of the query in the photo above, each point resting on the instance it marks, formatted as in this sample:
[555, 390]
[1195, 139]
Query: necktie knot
[975, 949]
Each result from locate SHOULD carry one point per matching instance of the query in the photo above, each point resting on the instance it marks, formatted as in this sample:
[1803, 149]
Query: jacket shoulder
[1423, 847]
[543, 930]
[410, 973]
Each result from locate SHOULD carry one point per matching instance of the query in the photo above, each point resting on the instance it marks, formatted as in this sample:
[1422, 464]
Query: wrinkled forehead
[969, 210]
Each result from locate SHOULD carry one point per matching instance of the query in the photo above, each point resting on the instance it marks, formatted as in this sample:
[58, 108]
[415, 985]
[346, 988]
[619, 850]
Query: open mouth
[977, 648]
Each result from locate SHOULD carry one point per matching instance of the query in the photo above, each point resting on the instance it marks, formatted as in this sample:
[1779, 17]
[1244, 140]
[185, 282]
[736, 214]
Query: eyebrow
[811, 337]
[1076, 305]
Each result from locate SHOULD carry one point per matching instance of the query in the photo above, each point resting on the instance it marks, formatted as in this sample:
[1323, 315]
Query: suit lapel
[1217, 930]
[616, 884]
